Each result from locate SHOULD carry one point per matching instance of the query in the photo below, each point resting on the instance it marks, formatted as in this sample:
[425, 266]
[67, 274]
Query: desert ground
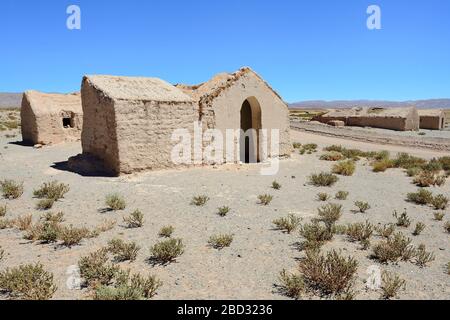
[250, 267]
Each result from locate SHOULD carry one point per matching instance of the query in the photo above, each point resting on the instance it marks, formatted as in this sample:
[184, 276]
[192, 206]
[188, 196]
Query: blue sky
[306, 50]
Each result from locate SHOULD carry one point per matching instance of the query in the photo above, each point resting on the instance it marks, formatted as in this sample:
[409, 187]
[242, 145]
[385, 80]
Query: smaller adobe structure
[129, 121]
[399, 119]
[432, 119]
[51, 118]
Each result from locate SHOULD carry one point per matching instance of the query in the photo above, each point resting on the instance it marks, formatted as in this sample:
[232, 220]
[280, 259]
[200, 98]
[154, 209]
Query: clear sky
[306, 49]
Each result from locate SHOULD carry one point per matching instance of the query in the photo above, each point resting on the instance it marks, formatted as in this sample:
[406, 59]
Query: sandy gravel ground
[250, 267]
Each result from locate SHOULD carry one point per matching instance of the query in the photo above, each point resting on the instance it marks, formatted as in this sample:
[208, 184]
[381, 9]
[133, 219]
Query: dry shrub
[412, 172]
[265, 199]
[96, 270]
[2, 253]
[422, 256]
[23, 223]
[115, 202]
[45, 232]
[419, 228]
[447, 226]
[360, 232]
[439, 216]
[11, 189]
[72, 236]
[134, 220]
[220, 241]
[440, 202]
[308, 148]
[362, 206]
[427, 179]
[422, 197]
[330, 214]
[223, 211]
[393, 249]
[276, 185]
[3, 210]
[315, 234]
[448, 268]
[28, 282]
[53, 217]
[321, 196]
[291, 285]
[332, 156]
[123, 251]
[323, 179]
[382, 165]
[6, 224]
[330, 274]
[391, 285]
[406, 161]
[402, 220]
[106, 225]
[45, 204]
[166, 232]
[167, 251]
[345, 168]
[128, 287]
[288, 224]
[445, 163]
[342, 195]
[51, 190]
[200, 201]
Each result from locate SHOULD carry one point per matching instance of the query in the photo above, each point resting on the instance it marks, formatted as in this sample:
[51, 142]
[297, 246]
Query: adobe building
[432, 119]
[129, 122]
[51, 118]
[399, 119]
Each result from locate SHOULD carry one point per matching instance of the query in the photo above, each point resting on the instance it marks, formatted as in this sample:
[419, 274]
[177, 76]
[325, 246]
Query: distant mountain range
[10, 100]
[420, 104]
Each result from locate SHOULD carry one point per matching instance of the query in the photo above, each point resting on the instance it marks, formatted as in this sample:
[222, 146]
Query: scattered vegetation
[342, 195]
[345, 168]
[391, 285]
[134, 220]
[423, 257]
[96, 270]
[402, 220]
[23, 223]
[395, 248]
[323, 179]
[419, 228]
[382, 165]
[51, 190]
[11, 189]
[167, 251]
[385, 231]
[429, 178]
[115, 202]
[362, 206]
[265, 199]
[72, 236]
[422, 197]
[45, 204]
[315, 234]
[440, 202]
[288, 224]
[166, 232]
[276, 185]
[28, 282]
[332, 156]
[292, 285]
[309, 148]
[123, 251]
[360, 232]
[3, 209]
[447, 226]
[439, 216]
[321, 196]
[330, 214]
[220, 241]
[223, 211]
[199, 201]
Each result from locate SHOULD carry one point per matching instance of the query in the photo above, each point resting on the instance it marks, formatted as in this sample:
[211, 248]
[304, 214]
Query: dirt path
[321, 140]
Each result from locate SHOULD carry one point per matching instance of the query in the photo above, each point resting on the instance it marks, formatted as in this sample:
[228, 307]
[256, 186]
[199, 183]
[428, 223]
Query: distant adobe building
[129, 122]
[51, 118]
[400, 119]
[432, 119]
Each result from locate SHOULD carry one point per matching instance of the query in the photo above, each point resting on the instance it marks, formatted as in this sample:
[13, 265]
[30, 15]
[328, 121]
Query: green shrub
[47, 232]
[323, 179]
[115, 202]
[288, 224]
[342, 195]
[345, 168]
[134, 220]
[362, 206]
[422, 197]
[419, 228]
[331, 273]
[123, 251]
[440, 202]
[439, 216]
[321, 196]
[220, 241]
[297, 145]
[393, 249]
[52, 217]
[315, 234]
[265, 199]
[406, 161]
[391, 285]
[292, 285]
[11, 189]
[72, 236]
[45, 204]
[422, 256]
[167, 251]
[360, 232]
[445, 162]
[166, 232]
[433, 166]
[382, 165]
[96, 270]
[51, 190]
[402, 220]
[276, 185]
[200, 201]
[135, 287]
[414, 171]
[330, 214]
[223, 211]
[28, 282]
[3, 210]
[332, 156]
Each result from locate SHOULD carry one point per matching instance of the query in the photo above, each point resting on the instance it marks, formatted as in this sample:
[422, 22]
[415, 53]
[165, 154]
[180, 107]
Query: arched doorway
[250, 126]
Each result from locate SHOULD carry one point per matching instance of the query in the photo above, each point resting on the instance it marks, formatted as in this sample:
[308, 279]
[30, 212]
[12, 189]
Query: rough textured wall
[99, 138]
[431, 123]
[42, 117]
[144, 132]
[398, 124]
[224, 111]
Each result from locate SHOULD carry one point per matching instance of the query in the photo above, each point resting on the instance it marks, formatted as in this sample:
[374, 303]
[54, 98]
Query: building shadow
[64, 166]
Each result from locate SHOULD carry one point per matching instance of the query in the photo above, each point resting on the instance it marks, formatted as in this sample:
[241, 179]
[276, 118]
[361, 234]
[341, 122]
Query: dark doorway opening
[250, 126]
[67, 123]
